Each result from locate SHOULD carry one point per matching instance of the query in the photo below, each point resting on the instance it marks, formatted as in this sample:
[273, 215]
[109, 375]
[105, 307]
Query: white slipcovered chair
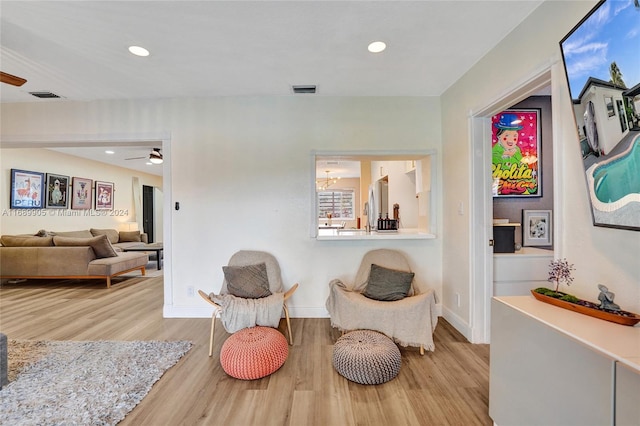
[236, 312]
[409, 321]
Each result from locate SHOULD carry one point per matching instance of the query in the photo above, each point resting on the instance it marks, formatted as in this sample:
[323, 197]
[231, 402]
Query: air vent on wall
[44, 95]
[309, 88]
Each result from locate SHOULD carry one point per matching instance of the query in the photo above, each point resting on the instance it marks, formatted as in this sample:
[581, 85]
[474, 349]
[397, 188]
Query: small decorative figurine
[606, 298]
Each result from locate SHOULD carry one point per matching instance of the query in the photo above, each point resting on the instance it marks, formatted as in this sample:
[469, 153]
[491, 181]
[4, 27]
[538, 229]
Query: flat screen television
[601, 57]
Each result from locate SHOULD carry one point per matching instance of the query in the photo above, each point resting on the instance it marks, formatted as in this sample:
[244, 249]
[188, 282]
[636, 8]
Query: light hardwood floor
[447, 387]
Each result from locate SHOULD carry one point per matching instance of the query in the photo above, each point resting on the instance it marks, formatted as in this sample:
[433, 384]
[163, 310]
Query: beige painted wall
[241, 170]
[600, 255]
[15, 221]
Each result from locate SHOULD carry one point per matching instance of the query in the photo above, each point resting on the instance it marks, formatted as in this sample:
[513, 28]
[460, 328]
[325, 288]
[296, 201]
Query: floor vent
[44, 95]
[309, 88]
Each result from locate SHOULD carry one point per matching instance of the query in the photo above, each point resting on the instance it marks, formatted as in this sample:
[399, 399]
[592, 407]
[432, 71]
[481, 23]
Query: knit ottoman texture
[253, 353]
[366, 357]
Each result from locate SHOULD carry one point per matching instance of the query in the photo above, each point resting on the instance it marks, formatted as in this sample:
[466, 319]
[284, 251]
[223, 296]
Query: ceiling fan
[12, 79]
[155, 156]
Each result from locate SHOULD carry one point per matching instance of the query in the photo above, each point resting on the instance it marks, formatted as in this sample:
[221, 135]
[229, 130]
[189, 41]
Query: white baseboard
[458, 323]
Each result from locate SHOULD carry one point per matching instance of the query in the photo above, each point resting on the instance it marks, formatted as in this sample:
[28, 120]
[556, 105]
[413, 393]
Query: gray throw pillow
[248, 282]
[100, 244]
[388, 284]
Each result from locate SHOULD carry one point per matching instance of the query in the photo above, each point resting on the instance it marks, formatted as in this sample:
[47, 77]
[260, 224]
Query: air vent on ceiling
[44, 95]
[308, 88]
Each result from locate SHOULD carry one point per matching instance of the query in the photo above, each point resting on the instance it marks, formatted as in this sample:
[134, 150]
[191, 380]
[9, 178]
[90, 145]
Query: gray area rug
[81, 383]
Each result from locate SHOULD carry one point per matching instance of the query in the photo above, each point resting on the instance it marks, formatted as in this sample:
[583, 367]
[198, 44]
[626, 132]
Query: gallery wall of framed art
[19, 216]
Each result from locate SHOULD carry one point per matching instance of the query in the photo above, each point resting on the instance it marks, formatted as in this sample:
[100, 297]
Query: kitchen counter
[361, 234]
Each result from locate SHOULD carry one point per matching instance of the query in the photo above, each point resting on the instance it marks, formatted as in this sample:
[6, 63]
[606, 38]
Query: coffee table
[156, 247]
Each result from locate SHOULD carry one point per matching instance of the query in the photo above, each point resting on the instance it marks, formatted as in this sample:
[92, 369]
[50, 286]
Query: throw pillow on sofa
[130, 237]
[100, 244]
[19, 241]
[111, 234]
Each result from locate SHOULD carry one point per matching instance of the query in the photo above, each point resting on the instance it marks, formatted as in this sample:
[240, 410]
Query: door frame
[481, 202]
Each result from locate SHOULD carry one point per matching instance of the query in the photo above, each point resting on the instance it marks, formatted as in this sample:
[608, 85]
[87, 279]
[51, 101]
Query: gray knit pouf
[366, 357]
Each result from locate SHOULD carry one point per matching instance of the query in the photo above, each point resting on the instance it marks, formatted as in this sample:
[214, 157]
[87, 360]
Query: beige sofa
[75, 254]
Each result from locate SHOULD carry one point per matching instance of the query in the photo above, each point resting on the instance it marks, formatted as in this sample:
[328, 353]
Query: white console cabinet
[515, 274]
[551, 366]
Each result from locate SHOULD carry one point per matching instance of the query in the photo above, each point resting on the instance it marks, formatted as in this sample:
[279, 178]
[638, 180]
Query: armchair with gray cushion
[252, 294]
[385, 297]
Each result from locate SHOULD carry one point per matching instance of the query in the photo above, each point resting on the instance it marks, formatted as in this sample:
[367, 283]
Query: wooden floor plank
[449, 386]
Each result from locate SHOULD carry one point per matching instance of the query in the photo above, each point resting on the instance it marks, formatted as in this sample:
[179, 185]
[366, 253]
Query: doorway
[481, 203]
[148, 212]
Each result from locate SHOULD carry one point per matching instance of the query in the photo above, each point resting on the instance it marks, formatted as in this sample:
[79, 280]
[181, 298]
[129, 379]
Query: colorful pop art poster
[515, 147]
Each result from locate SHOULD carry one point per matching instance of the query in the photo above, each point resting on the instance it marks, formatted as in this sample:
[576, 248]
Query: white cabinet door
[539, 376]
[627, 396]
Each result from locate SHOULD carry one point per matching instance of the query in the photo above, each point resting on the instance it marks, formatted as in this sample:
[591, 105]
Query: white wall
[600, 255]
[609, 130]
[240, 167]
[14, 221]
[158, 214]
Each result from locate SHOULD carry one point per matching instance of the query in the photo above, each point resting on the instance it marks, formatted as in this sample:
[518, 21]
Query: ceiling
[78, 49]
[130, 157]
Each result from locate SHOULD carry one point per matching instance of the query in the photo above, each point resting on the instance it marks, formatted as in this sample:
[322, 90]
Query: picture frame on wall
[57, 191]
[537, 229]
[516, 145]
[603, 96]
[27, 189]
[82, 193]
[104, 195]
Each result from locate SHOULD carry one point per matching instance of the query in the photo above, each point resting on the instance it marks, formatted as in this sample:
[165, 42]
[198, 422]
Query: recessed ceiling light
[149, 163]
[138, 51]
[109, 152]
[377, 46]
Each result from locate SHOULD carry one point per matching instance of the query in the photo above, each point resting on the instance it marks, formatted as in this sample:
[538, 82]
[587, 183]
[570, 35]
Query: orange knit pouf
[253, 353]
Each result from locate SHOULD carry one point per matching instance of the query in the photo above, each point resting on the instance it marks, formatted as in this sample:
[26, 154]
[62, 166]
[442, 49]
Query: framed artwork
[604, 99]
[27, 189]
[57, 191]
[536, 228]
[516, 153]
[81, 194]
[104, 195]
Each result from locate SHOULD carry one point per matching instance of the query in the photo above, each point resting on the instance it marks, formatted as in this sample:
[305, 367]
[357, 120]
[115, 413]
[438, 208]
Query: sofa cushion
[113, 265]
[21, 241]
[100, 244]
[112, 234]
[388, 284]
[85, 233]
[248, 282]
[129, 237]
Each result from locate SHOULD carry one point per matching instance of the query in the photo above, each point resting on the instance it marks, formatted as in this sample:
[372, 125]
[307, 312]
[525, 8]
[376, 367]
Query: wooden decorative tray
[622, 317]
